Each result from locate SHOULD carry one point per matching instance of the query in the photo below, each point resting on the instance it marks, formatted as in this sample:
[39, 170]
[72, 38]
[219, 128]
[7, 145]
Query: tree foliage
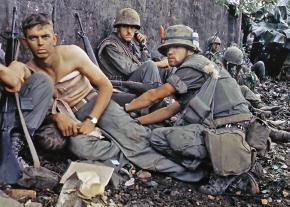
[247, 5]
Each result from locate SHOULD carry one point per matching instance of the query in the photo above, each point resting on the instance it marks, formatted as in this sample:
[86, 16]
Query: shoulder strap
[112, 39]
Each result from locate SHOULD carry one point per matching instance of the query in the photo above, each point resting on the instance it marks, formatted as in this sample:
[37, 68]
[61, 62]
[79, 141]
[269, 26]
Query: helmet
[179, 35]
[127, 16]
[233, 55]
[214, 39]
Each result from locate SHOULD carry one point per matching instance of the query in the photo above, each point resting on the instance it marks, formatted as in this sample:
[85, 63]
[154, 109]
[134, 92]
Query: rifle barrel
[79, 21]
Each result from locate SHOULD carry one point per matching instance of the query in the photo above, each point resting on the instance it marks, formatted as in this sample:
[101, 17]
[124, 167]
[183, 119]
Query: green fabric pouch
[229, 152]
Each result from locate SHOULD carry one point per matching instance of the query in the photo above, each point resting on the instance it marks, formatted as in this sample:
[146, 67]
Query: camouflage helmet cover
[233, 55]
[214, 39]
[127, 16]
[179, 35]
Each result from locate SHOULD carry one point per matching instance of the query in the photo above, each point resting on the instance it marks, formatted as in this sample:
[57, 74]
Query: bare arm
[150, 97]
[98, 79]
[14, 75]
[160, 114]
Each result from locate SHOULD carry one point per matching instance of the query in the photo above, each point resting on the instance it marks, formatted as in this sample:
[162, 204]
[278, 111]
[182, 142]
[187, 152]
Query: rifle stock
[87, 45]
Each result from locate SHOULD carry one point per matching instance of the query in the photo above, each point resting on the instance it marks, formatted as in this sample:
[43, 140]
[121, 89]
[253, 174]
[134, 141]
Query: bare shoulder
[69, 50]
[32, 66]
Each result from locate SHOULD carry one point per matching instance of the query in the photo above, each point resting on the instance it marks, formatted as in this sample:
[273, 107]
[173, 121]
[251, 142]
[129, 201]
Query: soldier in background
[257, 66]
[124, 55]
[213, 51]
[232, 62]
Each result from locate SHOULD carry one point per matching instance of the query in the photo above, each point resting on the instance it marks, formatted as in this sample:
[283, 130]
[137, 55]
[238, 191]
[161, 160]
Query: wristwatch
[93, 119]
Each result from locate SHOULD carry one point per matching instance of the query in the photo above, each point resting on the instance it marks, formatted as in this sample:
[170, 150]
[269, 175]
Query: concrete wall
[204, 16]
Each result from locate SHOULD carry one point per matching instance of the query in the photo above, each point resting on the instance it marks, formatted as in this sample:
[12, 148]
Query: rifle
[12, 41]
[135, 87]
[9, 168]
[87, 45]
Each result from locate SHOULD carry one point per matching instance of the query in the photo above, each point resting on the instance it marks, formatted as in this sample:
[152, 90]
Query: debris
[130, 182]
[32, 204]
[6, 201]
[264, 201]
[210, 197]
[91, 184]
[285, 193]
[144, 175]
[21, 194]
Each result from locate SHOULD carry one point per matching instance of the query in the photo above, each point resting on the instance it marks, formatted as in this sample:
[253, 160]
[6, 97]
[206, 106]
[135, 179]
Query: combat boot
[248, 181]
[279, 136]
[217, 185]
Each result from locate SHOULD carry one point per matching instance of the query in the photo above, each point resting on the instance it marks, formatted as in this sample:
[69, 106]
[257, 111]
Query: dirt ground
[160, 190]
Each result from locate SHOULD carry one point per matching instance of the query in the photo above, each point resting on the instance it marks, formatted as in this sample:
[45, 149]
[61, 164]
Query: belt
[82, 102]
[240, 125]
[233, 119]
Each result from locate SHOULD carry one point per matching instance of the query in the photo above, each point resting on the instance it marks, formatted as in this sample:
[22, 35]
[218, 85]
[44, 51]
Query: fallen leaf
[238, 193]
[285, 193]
[210, 197]
[264, 201]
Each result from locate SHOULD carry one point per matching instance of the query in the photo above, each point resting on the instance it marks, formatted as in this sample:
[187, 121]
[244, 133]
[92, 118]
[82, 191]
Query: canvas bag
[229, 152]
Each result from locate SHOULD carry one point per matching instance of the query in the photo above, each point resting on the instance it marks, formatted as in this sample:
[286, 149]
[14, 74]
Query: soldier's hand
[141, 38]
[16, 87]
[86, 127]
[65, 124]
[12, 76]
[18, 68]
[162, 63]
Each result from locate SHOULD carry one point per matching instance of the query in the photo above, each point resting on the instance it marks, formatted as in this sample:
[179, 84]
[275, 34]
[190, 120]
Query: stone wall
[204, 16]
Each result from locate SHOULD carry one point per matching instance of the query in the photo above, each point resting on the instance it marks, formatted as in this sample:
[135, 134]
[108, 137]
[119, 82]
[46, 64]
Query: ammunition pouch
[258, 135]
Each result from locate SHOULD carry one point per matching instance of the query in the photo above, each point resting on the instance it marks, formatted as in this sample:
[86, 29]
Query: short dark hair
[35, 19]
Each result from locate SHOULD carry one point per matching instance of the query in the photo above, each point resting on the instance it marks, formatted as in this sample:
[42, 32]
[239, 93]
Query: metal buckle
[79, 105]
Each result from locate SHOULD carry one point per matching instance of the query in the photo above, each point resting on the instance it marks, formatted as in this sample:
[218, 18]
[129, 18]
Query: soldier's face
[127, 32]
[176, 55]
[41, 40]
[215, 47]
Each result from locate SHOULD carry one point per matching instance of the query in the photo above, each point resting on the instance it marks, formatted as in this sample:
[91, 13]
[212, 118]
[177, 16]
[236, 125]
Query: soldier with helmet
[181, 46]
[213, 48]
[232, 61]
[196, 84]
[123, 55]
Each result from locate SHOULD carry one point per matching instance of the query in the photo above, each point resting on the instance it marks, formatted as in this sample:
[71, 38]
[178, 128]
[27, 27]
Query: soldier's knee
[157, 138]
[77, 144]
[150, 65]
